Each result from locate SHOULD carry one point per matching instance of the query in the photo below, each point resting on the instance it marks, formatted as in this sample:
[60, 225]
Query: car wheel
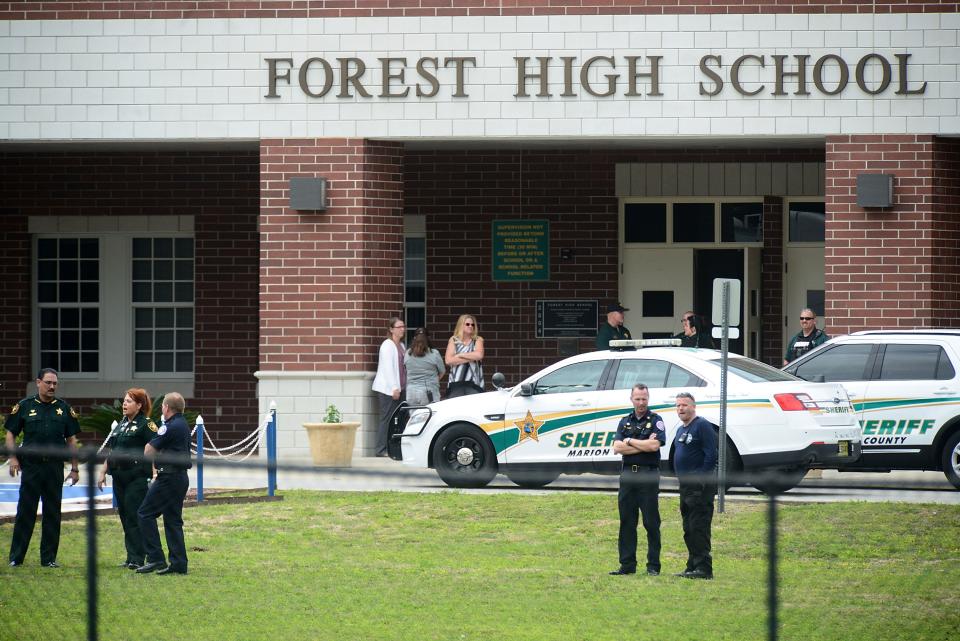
[734, 465]
[532, 478]
[780, 481]
[951, 460]
[464, 457]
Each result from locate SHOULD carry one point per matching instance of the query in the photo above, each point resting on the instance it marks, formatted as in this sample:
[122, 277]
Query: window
[693, 223]
[68, 300]
[645, 223]
[653, 374]
[162, 296]
[414, 275]
[841, 363]
[741, 222]
[807, 222]
[115, 307]
[579, 377]
[915, 363]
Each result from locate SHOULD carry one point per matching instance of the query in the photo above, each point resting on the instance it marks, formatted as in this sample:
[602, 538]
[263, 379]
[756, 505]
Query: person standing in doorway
[168, 490]
[695, 462]
[806, 339]
[638, 438]
[390, 381]
[694, 334]
[46, 422]
[613, 328]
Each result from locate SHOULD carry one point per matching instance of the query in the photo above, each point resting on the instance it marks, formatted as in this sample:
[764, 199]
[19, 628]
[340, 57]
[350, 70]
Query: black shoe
[133, 565]
[16, 564]
[653, 572]
[697, 574]
[622, 571]
[150, 567]
[170, 570]
[50, 564]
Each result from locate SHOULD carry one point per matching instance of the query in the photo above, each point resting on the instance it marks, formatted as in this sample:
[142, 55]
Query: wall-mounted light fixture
[874, 190]
[308, 193]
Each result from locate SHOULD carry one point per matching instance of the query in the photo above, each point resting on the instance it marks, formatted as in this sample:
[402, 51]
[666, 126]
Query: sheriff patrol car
[905, 388]
[563, 419]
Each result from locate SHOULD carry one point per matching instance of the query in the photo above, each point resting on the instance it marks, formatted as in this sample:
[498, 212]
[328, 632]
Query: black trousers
[165, 498]
[696, 510]
[41, 480]
[130, 488]
[387, 406]
[639, 493]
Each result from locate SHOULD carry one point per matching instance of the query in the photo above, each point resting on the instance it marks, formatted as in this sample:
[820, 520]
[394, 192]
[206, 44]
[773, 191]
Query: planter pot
[331, 444]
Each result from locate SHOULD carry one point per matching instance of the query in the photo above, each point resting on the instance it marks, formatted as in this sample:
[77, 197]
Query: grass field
[452, 566]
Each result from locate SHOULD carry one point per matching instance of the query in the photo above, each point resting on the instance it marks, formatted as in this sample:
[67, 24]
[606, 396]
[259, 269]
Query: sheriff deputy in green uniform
[613, 329]
[129, 469]
[806, 339]
[48, 422]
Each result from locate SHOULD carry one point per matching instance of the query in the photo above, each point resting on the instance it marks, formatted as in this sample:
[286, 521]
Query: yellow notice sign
[521, 250]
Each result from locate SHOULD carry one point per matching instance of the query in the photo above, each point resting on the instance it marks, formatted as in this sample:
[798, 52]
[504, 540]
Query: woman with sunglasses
[694, 334]
[465, 358]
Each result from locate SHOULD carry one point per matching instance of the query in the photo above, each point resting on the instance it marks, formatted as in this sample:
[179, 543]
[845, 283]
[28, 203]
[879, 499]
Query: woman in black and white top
[465, 358]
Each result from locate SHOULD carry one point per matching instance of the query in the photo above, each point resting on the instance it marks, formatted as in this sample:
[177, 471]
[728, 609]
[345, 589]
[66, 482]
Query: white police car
[905, 388]
[563, 418]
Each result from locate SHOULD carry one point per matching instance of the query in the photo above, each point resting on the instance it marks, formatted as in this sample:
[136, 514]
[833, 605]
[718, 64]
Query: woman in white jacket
[390, 381]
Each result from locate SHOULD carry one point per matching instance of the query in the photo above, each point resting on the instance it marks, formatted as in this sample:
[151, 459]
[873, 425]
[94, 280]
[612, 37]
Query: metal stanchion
[272, 450]
[199, 458]
[772, 568]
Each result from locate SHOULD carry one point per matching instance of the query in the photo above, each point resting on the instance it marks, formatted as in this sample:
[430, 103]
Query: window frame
[670, 201]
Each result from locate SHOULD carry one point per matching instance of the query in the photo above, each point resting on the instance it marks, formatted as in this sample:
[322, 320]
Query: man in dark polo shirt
[695, 462]
[166, 493]
[612, 329]
[45, 421]
[638, 439]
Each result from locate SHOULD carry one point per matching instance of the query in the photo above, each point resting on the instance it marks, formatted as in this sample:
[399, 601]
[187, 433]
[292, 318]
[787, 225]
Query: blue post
[272, 450]
[199, 458]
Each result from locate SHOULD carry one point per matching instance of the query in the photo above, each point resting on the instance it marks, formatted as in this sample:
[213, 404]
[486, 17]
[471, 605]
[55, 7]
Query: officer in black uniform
[45, 421]
[639, 437]
[613, 328]
[129, 468]
[806, 339]
[166, 493]
[695, 462]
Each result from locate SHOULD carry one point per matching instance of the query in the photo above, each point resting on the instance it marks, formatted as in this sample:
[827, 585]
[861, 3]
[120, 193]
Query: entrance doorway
[716, 263]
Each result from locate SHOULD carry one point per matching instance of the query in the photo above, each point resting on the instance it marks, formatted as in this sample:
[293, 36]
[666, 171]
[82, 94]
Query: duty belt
[640, 468]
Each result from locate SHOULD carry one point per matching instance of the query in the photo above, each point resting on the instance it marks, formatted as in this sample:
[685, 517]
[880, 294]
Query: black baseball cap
[616, 307]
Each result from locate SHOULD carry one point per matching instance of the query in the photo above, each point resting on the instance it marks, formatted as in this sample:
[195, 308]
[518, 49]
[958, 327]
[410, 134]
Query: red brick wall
[946, 225]
[329, 280]
[461, 192]
[881, 264]
[165, 9]
[218, 189]
[771, 303]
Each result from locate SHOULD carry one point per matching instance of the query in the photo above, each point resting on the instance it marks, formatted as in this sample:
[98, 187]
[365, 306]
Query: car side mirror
[526, 389]
[499, 380]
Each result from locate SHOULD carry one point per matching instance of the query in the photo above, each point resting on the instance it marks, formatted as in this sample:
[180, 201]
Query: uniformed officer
[613, 328]
[638, 439]
[166, 493]
[129, 468]
[806, 339]
[45, 421]
[695, 462]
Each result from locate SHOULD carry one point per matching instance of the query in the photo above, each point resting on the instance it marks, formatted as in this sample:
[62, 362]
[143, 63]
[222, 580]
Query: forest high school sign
[599, 76]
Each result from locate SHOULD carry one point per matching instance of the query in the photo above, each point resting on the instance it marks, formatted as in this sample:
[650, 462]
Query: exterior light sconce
[308, 193]
[875, 190]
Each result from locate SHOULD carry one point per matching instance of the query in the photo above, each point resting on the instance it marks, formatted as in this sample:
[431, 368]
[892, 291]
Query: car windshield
[754, 371]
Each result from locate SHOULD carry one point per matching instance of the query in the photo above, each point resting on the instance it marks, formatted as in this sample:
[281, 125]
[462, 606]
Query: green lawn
[454, 566]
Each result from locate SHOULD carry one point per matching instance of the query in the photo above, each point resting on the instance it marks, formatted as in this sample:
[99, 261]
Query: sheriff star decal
[59, 411]
[528, 427]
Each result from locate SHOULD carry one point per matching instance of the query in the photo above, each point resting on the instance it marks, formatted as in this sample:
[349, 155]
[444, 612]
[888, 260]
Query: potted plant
[331, 442]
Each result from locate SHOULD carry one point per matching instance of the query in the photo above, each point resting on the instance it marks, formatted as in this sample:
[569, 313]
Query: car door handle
[579, 403]
[945, 392]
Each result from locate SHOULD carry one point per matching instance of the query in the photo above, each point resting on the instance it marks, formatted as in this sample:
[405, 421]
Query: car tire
[463, 457]
[532, 479]
[780, 481]
[950, 460]
[734, 465]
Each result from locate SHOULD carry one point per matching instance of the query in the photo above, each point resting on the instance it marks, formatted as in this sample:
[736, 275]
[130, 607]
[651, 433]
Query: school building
[231, 198]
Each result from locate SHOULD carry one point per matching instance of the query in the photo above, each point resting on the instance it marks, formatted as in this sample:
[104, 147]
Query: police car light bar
[646, 342]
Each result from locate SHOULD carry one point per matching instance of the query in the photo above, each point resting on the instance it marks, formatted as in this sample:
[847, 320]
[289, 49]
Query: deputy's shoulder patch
[162, 430]
[153, 426]
[73, 413]
[15, 409]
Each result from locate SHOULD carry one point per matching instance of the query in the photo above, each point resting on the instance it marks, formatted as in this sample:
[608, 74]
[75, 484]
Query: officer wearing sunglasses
[806, 339]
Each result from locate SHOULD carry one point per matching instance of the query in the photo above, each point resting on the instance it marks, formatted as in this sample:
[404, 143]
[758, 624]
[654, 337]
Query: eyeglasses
[399, 327]
[687, 319]
[806, 318]
[470, 324]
